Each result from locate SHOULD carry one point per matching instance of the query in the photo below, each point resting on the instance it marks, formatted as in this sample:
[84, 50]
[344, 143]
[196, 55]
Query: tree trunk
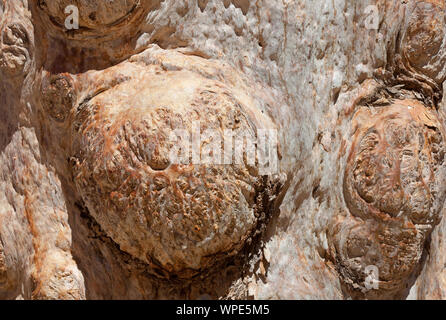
[311, 136]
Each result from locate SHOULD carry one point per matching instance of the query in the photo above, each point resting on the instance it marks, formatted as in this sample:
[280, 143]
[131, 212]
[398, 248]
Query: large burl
[180, 219]
[394, 185]
[176, 216]
[94, 94]
[395, 188]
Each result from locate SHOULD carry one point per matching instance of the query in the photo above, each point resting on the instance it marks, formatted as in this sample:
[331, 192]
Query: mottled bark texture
[92, 207]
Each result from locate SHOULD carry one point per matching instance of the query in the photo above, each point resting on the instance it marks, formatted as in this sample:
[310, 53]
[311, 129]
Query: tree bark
[92, 206]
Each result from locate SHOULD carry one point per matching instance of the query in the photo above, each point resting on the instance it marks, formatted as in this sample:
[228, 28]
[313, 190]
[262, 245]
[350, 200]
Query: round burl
[394, 188]
[58, 96]
[423, 42]
[14, 49]
[180, 217]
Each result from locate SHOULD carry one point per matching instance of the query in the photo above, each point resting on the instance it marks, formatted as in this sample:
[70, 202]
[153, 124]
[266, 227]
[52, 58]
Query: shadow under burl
[97, 43]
